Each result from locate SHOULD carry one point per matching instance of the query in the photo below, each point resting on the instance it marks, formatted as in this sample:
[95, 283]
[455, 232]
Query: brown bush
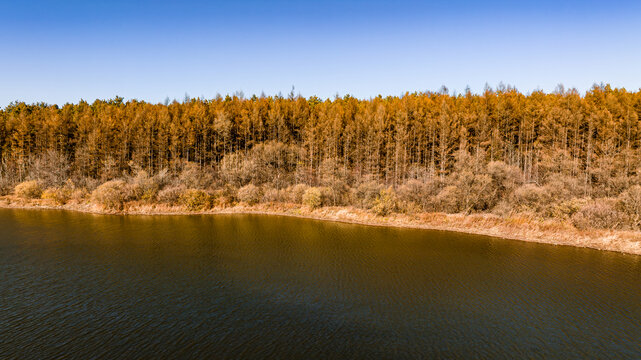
[171, 195]
[194, 177]
[565, 209]
[313, 197]
[296, 193]
[223, 197]
[473, 192]
[600, 214]
[530, 197]
[334, 183]
[419, 192]
[228, 195]
[447, 200]
[28, 190]
[59, 195]
[466, 192]
[629, 202]
[473, 186]
[561, 187]
[409, 207]
[196, 200]
[275, 195]
[505, 178]
[617, 185]
[111, 195]
[79, 195]
[366, 194]
[250, 194]
[145, 187]
[385, 203]
[328, 196]
[110, 168]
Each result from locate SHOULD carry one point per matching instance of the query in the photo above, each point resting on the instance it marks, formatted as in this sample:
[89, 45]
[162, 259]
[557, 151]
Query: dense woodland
[561, 155]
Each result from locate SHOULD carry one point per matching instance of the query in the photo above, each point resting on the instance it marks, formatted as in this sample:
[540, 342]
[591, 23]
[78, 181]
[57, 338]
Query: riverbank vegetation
[565, 157]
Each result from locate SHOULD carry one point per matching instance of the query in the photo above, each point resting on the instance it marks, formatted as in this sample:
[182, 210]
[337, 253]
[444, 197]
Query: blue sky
[64, 51]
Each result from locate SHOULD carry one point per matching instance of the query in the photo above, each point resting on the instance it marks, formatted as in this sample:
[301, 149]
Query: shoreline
[519, 228]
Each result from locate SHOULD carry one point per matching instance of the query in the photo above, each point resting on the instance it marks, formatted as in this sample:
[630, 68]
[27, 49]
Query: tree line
[498, 143]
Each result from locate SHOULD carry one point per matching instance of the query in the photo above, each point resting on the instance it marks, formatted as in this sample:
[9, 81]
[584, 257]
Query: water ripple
[77, 286]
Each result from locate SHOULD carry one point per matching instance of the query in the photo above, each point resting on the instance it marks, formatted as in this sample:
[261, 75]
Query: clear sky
[60, 51]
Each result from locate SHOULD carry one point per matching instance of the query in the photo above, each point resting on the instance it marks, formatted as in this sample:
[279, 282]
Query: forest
[559, 155]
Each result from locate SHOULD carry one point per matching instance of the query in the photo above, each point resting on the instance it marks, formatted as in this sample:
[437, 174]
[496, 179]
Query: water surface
[250, 286]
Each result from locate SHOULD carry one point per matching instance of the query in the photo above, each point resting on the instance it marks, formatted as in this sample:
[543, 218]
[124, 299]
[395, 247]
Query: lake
[255, 286]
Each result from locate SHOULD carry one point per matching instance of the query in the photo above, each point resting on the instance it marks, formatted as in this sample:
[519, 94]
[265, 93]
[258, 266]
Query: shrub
[447, 200]
[565, 209]
[296, 193]
[335, 190]
[249, 194]
[385, 203]
[28, 190]
[192, 176]
[599, 215]
[504, 178]
[473, 192]
[170, 195]
[110, 195]
[79, 195]
[531, 197]
[616, 184]
[275, 195]
[629, 202]
[227, 195]
[561, 187]
[195, 200]
[313, 197]
[58, 195]
[421, 193]
[223, 197]
[144, 187]
[366, 193]
[328, 196]
[414, 191]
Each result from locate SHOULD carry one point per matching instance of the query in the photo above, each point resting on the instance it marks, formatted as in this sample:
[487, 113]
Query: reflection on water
[79, 286]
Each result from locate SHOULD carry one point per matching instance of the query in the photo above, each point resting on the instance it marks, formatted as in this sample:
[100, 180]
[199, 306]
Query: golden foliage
[28, 189]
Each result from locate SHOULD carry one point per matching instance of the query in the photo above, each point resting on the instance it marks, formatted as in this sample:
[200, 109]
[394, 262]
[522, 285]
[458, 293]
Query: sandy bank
[516, 228]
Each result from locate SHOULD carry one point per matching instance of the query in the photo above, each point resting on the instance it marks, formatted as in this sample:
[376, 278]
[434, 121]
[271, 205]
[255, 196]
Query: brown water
[247, 286]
